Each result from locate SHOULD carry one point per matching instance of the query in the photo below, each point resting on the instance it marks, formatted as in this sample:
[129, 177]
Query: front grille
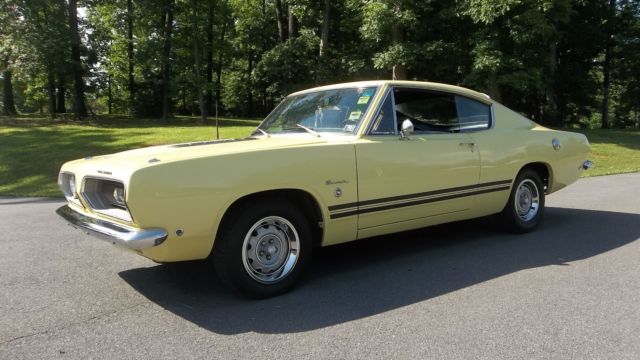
[106, 197]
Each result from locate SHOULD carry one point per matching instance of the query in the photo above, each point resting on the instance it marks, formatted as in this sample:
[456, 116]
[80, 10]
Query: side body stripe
[367, 206]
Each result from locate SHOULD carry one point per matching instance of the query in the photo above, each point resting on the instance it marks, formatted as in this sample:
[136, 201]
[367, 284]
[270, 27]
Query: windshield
[335, 111]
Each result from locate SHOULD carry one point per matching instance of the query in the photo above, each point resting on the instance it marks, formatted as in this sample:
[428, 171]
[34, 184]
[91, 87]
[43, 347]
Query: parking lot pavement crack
[23, 337]
[69, 325]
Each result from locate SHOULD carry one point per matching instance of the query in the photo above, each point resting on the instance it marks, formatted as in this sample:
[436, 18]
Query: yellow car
[329, 165]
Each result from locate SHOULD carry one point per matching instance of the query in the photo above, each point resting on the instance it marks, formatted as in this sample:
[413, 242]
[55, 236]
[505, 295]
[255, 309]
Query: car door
[501, 150]
[426, 174]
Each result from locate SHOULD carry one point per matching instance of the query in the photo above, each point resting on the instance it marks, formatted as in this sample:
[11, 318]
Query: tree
[282, 28]
[131, 83]
[167, 28]
[606, 66]
[8, 101]
[196, 64]
[324, 37]
[210, 50]
[8, 39]
[556, 61]
[80, 108]
[47, 33]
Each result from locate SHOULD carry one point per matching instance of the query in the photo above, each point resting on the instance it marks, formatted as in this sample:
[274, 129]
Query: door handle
[470, 144]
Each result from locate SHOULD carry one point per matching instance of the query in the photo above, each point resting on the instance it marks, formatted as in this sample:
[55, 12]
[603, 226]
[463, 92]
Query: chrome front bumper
[136, 239]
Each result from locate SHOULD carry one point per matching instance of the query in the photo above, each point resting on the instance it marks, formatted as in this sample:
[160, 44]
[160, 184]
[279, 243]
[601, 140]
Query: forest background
[560, 62]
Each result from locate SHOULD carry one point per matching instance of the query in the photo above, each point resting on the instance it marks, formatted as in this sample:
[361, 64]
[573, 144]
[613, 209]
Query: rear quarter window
[473, 115]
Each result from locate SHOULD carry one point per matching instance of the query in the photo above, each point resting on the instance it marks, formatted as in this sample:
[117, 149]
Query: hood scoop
[209, 142]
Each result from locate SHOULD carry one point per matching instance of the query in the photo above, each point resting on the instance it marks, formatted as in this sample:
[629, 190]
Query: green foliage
[289, 66]
[544, 58]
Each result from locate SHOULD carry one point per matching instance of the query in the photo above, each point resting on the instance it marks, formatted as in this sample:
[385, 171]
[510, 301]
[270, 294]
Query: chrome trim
[587, 164]
[127, 236]
[527, 200]
[90, 206]
[271, 250]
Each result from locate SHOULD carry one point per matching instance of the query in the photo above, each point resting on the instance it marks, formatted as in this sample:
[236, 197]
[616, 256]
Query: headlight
[106, 197]
[118, 196]
[72, 184]
[67, 183]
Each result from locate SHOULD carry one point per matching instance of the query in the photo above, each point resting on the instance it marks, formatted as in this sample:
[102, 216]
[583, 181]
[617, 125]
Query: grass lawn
[613, 151]
[32, 149]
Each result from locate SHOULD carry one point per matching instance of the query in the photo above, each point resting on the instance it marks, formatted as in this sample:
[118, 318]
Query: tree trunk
[166, 54]
[397, 38]
[131, 85]
[78, 95]
[196, 63]
[51, 91]
[606, 66]
[324, 38]
[606, 86]
[494, 88]
[552, 99]
[209, 70]
[109, 95]
[293, 23]
[282, 28]
[218, 104]
[183, 109]
[250, 94]
[9, 103]
[61, 107]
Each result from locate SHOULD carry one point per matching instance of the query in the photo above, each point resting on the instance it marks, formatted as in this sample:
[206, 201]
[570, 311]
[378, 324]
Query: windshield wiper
[309, 130]
[262, 131]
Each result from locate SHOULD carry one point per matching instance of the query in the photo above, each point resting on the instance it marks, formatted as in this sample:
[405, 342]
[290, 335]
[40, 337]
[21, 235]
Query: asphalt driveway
[570, 290]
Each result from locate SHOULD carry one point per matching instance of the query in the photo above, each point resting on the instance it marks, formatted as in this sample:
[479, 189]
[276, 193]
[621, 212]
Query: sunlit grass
[613, 151]
[33, 149]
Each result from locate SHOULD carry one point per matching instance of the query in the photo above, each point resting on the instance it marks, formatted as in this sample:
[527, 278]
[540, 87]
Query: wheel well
[542, 170]
[304, 201]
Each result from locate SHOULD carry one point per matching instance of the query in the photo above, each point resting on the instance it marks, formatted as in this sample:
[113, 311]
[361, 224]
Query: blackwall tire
[265, 249]
[525, 209]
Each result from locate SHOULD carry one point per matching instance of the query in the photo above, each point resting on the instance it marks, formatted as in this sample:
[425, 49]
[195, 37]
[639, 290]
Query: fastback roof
[421, 84]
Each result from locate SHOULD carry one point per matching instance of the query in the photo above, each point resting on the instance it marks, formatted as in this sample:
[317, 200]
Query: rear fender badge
[335, 182]
[104, 172]
[556, 144]
[337, 192]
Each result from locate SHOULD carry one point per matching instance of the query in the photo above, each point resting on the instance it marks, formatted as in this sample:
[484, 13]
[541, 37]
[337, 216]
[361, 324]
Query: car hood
[121, 165]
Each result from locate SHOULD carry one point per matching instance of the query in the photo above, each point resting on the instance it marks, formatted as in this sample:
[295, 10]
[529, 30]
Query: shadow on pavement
[365, 278]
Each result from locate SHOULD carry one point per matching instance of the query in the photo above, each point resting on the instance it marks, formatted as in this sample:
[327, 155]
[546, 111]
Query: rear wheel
[525, 207]
[264, 250]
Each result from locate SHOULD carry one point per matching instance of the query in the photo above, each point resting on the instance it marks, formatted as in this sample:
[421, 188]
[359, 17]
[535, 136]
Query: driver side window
[428, 111]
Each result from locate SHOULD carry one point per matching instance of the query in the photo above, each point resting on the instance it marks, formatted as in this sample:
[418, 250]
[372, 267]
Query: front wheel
[525, 207]
[264, 250]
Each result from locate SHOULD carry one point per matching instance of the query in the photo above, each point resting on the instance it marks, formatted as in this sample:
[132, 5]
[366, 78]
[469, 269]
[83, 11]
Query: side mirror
[407, 129]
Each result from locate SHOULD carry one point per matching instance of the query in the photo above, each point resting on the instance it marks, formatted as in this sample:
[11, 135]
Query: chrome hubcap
[270, 249]
[527, 200]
